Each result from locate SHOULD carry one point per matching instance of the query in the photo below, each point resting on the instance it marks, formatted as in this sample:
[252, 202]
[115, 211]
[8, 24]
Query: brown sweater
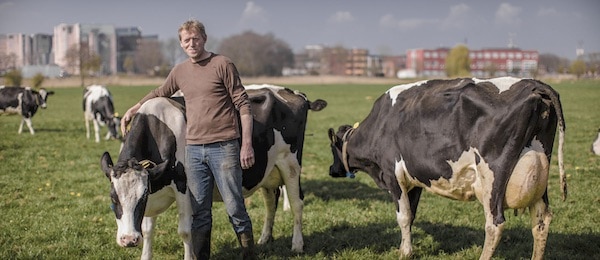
[213, 94]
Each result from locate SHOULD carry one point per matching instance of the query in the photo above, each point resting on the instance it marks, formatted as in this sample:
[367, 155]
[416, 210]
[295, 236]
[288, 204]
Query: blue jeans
[210, 164]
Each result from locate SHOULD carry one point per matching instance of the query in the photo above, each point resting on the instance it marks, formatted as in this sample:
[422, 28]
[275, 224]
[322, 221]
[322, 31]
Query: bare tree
[148, 57]
[257, 55]
[173, 51]
[81, 60]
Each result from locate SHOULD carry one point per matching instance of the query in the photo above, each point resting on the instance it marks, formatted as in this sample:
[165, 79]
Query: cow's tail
[554, 97]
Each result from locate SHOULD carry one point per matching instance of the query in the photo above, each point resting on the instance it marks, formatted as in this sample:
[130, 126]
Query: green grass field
[54, 199]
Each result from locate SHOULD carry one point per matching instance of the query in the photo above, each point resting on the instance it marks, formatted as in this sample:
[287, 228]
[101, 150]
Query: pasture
[55, 205]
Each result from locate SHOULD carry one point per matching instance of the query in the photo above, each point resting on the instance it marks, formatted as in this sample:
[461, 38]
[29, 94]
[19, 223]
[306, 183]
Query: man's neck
[202, 56]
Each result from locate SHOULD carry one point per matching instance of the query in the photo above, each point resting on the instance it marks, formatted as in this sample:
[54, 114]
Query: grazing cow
[596, 144]
[98, 107]
[23, 101]
[157, 140]
[463, 139]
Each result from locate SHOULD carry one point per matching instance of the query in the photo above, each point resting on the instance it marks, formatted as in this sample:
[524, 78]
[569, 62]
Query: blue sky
[383, 27]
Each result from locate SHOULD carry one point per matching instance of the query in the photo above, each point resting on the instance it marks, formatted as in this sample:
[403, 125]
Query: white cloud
[508, 14]
[253, 13]
[389, 21]
[549, 12]
[458, 16]
[341, 17]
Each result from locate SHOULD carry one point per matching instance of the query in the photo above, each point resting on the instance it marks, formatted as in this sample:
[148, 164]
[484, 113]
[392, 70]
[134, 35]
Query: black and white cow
[596, 144]
[23, 101]
[157, 140]
[98, 107]
[463, 139]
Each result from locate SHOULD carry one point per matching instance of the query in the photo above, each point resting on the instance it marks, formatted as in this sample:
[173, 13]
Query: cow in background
[149, 173]
[98, 107]
[596, 144]
[466, 139]
[23, 101]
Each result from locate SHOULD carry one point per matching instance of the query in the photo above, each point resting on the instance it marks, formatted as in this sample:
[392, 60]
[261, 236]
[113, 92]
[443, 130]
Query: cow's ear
[318, 105]
[332, 136]
[107, 164]
[158, 169]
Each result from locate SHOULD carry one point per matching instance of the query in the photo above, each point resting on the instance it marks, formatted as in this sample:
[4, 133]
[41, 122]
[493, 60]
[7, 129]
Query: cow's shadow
[343, 189]
[448, 240]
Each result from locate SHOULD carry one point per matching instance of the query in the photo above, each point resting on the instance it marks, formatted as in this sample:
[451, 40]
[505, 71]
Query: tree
[578, 67]
[550, 63]
[148, 57]
[129, 65]
[257, 55]
[458, 63]
[81, 60]
[173, 51]
[37, 80]
[13, 78]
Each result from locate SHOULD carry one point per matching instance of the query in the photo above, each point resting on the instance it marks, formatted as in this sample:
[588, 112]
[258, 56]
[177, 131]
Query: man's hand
[246, 156]
[127, 117]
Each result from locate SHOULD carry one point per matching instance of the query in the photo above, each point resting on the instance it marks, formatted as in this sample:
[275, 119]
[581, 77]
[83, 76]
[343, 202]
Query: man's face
[192, 43]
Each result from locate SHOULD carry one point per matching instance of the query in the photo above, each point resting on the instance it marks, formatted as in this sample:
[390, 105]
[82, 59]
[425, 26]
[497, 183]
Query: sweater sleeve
[237, 92]
[168, 88]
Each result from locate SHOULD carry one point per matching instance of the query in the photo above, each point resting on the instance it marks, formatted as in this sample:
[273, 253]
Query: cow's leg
[271, 207]
[29, 125]
[290, 173]
[147, 234]
[541, 216]
[286, 200]
[96, 131]
[404, 217]
[87, 127]
[185, 223]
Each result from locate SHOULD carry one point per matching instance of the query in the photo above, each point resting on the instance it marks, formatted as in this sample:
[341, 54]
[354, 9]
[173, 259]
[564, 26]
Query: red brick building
[484, 63]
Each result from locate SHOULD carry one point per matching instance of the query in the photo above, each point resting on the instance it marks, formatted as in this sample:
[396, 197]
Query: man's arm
[246, 150]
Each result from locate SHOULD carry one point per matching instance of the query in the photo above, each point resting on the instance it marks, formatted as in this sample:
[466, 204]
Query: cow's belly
[471, 180]
[10, 111]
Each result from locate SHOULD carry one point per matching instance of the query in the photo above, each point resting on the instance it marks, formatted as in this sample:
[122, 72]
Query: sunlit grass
[55, 205]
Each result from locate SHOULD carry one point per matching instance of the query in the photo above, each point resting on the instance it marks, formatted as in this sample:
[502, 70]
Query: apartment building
[484, 63]
[97, 39]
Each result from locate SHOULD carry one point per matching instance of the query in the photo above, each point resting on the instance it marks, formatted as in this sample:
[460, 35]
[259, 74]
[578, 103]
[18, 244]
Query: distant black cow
[463, 139]
[98, 107]
[157, 141]
[23, 101]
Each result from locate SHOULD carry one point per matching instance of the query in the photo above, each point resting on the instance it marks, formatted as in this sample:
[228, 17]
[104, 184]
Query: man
[214, 97]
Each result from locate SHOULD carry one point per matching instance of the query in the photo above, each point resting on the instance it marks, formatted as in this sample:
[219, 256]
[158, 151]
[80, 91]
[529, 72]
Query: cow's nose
[130, 240]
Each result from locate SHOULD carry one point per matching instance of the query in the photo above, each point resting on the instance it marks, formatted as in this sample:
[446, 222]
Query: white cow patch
[502, 83]
[396, 90]
[596, 145]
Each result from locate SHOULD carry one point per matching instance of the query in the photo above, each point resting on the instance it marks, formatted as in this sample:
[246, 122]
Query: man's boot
[246, 240]
[201, 244]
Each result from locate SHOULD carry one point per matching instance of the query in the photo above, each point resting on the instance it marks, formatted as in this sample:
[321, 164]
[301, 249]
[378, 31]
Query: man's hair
[192, 25]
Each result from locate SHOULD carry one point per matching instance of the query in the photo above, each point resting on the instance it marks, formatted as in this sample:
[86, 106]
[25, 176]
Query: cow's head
[114, 125]
[129, 191]
[339, 141]
[43, 97]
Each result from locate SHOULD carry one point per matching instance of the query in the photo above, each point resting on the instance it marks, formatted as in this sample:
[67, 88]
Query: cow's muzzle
[129, 240]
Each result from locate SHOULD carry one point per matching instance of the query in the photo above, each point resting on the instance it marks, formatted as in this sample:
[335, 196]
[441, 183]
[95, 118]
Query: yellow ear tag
[355, 125]
[116, 115]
